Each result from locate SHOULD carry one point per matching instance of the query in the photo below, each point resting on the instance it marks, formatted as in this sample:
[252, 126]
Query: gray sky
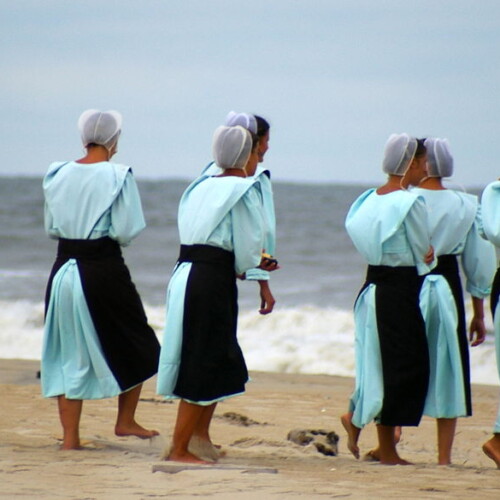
[334, 78]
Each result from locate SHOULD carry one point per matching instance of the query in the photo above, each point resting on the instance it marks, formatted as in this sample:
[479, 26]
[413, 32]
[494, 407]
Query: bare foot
[491, 450]
[353, 433]
[205, 449]
[69, 447]
[134, 429]
[396, 460]
[372, 456]
[186, 457]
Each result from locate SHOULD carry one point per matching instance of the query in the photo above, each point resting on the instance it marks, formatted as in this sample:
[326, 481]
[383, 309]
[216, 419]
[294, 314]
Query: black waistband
[207, 254]
[446, 264]
[94, 249]
[389, 274]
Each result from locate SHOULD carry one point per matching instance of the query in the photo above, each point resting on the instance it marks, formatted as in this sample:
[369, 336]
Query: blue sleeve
[247, 229]
[127, 219]
[269, 245]
[417, 231]
[490, 209]
[48, 220]
[478, 262]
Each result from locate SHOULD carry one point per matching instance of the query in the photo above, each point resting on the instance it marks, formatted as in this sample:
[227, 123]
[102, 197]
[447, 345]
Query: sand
[260, 462]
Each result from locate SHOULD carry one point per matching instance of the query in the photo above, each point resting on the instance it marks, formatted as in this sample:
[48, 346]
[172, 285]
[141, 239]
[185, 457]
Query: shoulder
[56, 166]
[121, 169]
[492, 189]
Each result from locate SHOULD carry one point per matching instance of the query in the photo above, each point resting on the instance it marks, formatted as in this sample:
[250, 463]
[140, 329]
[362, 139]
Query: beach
[260, 462]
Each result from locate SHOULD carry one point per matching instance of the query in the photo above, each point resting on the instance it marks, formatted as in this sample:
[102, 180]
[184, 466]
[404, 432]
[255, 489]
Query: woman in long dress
[454, 225]
[388, 226]
[260, 127]
[221, 229]
[97, 342]
[490, 208]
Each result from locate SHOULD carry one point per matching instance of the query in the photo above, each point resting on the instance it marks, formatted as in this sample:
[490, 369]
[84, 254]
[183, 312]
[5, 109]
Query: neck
[393, 184]
[433, 183]
[95, 154]
[233, 172]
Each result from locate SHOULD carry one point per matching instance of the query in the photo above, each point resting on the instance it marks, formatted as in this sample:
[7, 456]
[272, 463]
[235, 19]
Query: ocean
[311, 328]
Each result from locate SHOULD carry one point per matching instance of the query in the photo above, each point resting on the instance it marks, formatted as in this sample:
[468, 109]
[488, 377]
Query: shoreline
[254, 437]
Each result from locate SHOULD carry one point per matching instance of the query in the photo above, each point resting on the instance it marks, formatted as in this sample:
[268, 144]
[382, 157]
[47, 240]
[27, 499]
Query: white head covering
[100, 127]
[243, 119]
[399, 152]
[439, 159]
[231, 146]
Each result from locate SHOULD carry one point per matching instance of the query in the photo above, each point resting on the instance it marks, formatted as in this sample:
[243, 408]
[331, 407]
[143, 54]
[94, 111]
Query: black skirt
[129, 344]
[212, 364]
[403, 343]
[448, 268]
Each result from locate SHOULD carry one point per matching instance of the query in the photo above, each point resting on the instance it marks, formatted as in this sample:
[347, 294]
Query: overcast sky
[334, 78]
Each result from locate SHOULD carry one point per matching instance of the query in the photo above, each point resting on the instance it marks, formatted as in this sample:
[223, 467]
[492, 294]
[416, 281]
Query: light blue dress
[223, 212]
[388, 230]
[490, 209]
[454, 223]
[82, 201]
[269, 243]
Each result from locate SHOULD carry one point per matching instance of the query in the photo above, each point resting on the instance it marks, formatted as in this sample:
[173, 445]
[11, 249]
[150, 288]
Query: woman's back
[92, 200]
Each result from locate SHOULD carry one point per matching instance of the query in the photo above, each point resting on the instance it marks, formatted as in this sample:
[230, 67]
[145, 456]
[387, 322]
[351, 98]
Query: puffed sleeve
[247, 229]
[478, 261]
[48, 220]
[269, 244]
[417, 231]
[490, 208]
[127, 218]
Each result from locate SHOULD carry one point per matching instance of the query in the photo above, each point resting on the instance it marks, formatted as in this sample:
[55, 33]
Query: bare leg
[387, 446]
[125, 421]
[446, 434]
[353, 433]
[188, 417]
[200, 443]
[70, 411]
[203, 425]
[492, 449]
[398, 431]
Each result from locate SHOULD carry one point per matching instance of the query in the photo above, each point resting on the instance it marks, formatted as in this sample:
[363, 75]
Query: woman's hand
[477, 323]
[429, 256]
[268, 263]
[266, 298]
[477, 331]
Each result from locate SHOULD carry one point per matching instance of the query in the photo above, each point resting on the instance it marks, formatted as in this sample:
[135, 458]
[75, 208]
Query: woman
[490, 207]
[388, 226]
[221, 232]
[97, 343]
[454, 227]
[260, 127]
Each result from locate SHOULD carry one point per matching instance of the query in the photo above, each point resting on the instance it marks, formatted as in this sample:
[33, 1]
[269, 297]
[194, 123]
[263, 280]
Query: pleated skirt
[201, 360]
[392, 361]
[97, 341]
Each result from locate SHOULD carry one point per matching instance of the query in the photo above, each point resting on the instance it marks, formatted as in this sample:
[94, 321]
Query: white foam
[304, 339]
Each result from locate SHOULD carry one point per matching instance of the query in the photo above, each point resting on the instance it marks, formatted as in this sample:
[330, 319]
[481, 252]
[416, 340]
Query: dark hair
[262, 126]
[421, 149]
[255, 140]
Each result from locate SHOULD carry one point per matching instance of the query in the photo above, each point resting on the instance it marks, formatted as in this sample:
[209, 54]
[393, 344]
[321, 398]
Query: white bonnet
[439, 159]
[100, 127]
[399, 152]
[231, 146]
[245, 120]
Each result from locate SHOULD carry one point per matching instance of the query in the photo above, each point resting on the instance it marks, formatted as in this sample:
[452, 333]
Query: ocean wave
[305, 339]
